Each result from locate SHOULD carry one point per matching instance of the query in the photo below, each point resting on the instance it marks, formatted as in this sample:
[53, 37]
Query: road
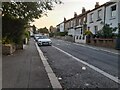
[96, 68]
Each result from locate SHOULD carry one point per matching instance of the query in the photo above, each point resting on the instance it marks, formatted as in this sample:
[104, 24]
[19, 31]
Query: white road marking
[91, 66]
[93, 48]
[53, 79]
[57, 44]
[96, 48]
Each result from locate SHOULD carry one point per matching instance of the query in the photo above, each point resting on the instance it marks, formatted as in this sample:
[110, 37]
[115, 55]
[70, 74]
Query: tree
[16, 15]
[43, 30]
[12, 29]
[34, 29]
[27, 10]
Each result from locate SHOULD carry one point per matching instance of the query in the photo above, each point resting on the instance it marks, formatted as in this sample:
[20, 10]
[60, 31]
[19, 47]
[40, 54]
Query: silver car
[44, 40]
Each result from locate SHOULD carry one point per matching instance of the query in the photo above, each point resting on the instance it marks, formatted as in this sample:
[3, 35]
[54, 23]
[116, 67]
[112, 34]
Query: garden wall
[65, 38]
[109, 43]
[8, 49]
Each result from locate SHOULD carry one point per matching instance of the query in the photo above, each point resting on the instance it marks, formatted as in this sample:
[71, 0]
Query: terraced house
[108, 13]
[95, 19]
[112, 16]
[76, 26]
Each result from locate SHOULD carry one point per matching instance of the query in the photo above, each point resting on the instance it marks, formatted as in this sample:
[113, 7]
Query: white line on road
[117, 53]
[91, 66]
[53, 79]
[97, 48]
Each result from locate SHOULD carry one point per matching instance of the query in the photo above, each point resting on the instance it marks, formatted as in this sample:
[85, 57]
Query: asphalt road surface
[73, 74]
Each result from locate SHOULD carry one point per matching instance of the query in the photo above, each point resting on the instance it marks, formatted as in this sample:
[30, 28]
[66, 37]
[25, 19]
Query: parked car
[36, 36]
[44, 40]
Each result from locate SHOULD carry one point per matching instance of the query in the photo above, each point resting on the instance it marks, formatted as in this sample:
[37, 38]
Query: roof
[78, 16]
[60, 23]
[105, 4]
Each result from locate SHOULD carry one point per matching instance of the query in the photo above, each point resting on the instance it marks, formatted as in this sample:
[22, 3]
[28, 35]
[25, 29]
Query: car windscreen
[43, 37]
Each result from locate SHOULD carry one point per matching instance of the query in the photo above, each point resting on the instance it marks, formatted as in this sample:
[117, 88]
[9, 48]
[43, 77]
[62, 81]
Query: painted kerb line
[91, 66]
[53, 79]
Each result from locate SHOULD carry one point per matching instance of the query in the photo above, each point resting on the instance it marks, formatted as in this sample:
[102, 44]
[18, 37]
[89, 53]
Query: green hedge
[61, 33]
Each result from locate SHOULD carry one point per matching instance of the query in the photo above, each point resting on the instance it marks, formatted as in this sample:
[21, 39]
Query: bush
[27, 34]
[13, 30]
[51, 34]
[61, 33]
[5, 40]
[106, 32]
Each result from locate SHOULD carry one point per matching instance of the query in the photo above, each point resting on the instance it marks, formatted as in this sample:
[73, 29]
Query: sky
[66, 10]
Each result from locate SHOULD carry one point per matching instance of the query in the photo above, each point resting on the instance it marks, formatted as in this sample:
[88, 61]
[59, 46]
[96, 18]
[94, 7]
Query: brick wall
[109, 43]
[8, 49]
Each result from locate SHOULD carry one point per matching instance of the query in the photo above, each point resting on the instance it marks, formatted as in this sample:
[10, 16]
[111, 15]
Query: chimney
[64, 19]
[97, 4]
[75, 14]
[83, 10]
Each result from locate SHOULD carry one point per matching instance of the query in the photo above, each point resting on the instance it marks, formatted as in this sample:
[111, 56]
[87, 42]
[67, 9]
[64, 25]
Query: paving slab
[24, 69]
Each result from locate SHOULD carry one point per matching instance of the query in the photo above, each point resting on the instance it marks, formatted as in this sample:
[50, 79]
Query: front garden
[106, 37]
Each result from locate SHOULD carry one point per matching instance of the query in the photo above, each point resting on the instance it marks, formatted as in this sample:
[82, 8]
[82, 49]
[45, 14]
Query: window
[113, 11]
[77, 22]
[80, 21]
[71, 23]
[74, 23]
[91, 18]
[76, 37]
[96, 29]
[99, 14]
[80, 37]
[83, 37]
[84, 19]
[81, 31]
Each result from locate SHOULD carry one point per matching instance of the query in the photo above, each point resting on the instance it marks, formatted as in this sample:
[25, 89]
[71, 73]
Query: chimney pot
[75, 14]
[97, 4]
[83, 10]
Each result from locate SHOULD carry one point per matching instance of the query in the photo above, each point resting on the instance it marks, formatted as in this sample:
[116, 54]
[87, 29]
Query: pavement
[24, 69]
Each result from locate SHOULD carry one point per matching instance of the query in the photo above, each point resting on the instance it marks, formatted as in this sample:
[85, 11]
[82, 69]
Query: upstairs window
[99, 14]
[113, 11]
[69, 24]
[80, 22]
[91, 18]
[74, 23]
[84, 19]
[77, 22]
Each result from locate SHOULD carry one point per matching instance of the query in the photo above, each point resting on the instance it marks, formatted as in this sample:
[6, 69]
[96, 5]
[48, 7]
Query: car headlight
[50, 42]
